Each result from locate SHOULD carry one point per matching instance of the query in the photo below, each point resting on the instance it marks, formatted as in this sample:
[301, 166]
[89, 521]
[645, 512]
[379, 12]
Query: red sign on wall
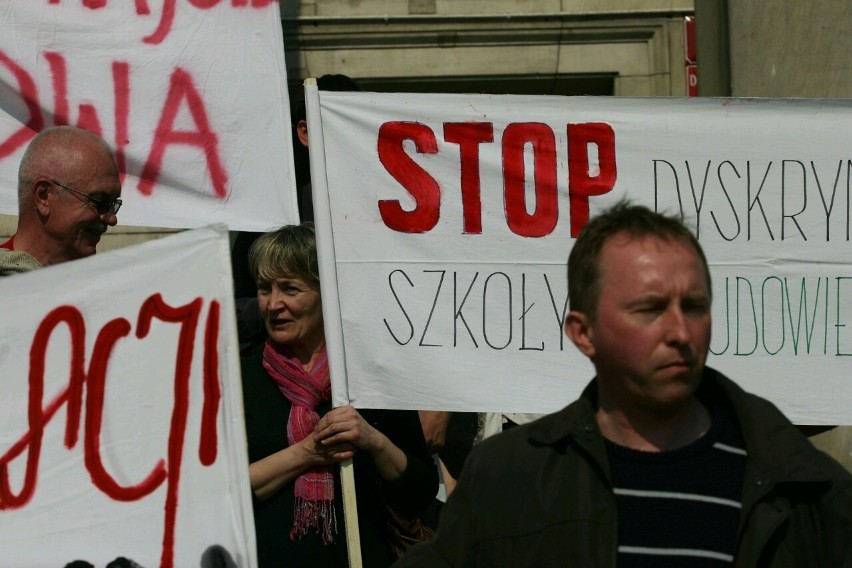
[691, 80]
[690, 56]
[689, 50]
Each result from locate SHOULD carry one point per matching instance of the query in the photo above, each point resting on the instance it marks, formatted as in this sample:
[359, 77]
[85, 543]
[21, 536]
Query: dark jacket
[540, 495]
[266, 413]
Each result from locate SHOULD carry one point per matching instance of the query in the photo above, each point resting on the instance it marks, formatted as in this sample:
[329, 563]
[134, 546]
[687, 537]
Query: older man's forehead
[106, 191]
[104, 175]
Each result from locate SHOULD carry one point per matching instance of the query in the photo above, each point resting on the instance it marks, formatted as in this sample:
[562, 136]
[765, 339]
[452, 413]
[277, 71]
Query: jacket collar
[575, 425]
[777, 450]
[576, 418]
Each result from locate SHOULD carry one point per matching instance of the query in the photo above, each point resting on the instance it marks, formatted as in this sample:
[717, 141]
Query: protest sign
[445, 222]
[121, 424]
[191, 95]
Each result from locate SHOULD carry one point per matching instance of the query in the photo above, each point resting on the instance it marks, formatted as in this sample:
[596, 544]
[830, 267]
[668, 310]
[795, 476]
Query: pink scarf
[306, 390]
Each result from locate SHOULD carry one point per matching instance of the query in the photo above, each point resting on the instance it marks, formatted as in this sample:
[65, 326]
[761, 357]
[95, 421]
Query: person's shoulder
[498, 469]
[758, 418]
[16, 262]
[253, 360]
[744, 404]
[251, 367]
[773, 440]
[522, 442]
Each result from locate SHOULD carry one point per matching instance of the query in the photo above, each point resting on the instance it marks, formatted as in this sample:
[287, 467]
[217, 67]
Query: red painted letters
[543, 220]
[29, 92]
[169, 10]
[422, 187]
[37, 416]
[469, 135]
[121, 79]
[182, 89]
[583, 182]
[164, 470]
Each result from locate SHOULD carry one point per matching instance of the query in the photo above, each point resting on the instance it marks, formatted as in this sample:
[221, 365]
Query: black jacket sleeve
[414, 490]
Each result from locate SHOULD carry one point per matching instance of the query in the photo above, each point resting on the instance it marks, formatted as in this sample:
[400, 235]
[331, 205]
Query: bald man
[68, 195]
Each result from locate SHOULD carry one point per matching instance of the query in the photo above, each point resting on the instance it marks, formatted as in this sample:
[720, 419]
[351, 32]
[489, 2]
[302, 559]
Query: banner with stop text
[192, 97]
[446, 222]
[121, 424]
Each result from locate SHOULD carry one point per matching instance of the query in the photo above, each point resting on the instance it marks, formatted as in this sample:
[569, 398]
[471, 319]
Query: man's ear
[578, 328]
[41, 192]
[302, 132]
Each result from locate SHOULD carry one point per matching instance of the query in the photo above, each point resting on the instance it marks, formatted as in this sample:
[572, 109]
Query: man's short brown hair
[623, 218]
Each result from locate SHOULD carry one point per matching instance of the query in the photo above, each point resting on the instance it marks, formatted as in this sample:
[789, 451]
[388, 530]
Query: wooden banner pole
[350, 513]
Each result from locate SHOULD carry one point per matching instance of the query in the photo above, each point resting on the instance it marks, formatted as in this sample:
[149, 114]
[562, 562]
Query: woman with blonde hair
[295, 438]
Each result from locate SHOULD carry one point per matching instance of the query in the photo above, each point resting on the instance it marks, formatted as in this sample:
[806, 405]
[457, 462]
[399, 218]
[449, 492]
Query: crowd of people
[662, 461]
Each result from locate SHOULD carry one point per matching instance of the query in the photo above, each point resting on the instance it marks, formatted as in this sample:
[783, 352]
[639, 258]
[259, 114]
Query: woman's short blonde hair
[290, 251]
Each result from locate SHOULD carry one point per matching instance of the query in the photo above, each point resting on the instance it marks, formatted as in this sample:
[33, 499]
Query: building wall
[638, 44]
[746, 50]
[805, 53]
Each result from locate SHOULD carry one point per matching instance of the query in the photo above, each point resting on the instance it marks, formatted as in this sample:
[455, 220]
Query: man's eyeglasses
[102, 206]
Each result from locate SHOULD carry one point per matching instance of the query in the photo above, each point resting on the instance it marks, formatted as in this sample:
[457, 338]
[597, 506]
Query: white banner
[121, 424]
[192, 96]
[446, 222]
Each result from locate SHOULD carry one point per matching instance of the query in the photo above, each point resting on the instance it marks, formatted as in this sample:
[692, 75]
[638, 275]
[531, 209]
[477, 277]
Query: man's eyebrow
[648, 298]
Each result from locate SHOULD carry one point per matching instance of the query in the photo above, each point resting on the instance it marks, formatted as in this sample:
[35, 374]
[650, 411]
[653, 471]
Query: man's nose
[677, 330]
[110, 218]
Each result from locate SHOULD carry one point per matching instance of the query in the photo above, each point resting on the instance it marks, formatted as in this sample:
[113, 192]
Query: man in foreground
[662, 461]
[68, 195]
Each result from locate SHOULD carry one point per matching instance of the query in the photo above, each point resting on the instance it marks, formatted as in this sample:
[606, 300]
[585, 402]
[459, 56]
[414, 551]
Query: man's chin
[689, 373]
[88, 247]
[91, 240]
[83, 252]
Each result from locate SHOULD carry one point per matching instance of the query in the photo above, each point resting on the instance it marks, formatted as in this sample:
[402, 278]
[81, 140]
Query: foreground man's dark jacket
[540, 495]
